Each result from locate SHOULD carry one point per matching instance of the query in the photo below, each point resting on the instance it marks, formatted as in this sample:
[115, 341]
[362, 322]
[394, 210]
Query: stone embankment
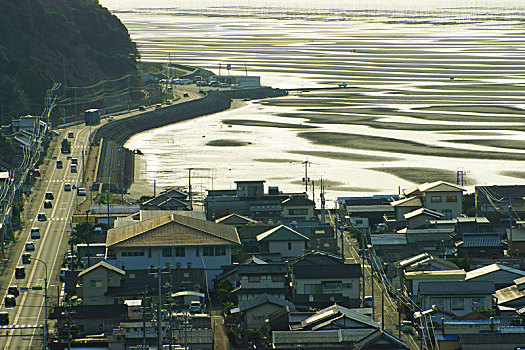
[115, 170]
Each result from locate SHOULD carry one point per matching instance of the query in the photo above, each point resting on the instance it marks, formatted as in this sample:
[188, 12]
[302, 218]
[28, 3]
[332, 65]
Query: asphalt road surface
[29, 311]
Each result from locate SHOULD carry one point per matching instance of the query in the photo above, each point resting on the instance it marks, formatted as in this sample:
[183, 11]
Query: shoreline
[140, 186]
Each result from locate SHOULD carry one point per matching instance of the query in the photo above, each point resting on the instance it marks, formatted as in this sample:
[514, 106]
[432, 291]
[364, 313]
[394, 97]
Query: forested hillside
[74, 42]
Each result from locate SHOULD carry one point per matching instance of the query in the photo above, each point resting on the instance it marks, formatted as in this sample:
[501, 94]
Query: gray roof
[256, 269]
[485, 270]
[389, 239]
[298, 201]
[282, 233]
[475, 240]
[263, 299]
[457, 288]
[423, 211]
[104, 265]
[335, 311]
[327, 271]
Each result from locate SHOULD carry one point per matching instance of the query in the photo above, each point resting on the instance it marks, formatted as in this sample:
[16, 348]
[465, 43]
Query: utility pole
[306, 180]
[363, 258]
[121, 149]
[189, 187]
[87, 238]
[144, 319]
[323, 217]
[371, 281]
[382, 309]
[159, 309]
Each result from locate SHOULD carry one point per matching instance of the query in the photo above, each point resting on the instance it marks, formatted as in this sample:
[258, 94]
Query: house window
[133, 253]
[458, 303]
[96, 283]
[439, 302]
[207, 251]
[331, 284]
[180, 251]
[452, 199]
[289, 245]
[435, 199]
[254, 279]
[277, 278]
[478, 302]
[167, 252]
[220, 251]
[214, 251]
[298, 211]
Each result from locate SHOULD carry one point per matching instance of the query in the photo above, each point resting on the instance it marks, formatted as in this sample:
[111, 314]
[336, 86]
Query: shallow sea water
[397, 63]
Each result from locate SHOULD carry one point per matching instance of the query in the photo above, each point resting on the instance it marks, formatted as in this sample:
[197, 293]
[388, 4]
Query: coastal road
[29, 311]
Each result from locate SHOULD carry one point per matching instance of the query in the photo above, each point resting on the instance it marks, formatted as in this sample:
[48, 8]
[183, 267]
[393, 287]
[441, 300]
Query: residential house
[391, 246]
[174, 240]
[255, 311]
[235, 220]
[420, 218]
[441, 197]
[420, 262]
[481, 245]
[170, 199]
[414, 278]
[459, 297]
[404, 206]
[283, 240]
[429, 239]
[319, 284]
[95, 281]
[502, 275]
[516, 238]
[298, 208]
[336, 327]
[258, 279]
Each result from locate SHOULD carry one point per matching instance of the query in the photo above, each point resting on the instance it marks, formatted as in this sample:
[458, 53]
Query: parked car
[158, 106]
[20, 272]
[73, 168]
[142, 108]
[26, 258]
[35, 233]
[41, 217]
[169, 102]
[70, 135]
[49, 196]
[13, 290]
[4, 318]
[48, 204]
[185, 94]
[67, 187]
[368, 302]
[81, 191]
[62, 275]
[60, 164]
[111, 118]
[10, 301]
[30, 246]
[74, 161]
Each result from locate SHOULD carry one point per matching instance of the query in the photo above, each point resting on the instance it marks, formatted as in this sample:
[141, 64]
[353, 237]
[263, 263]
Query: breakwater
[116, 164]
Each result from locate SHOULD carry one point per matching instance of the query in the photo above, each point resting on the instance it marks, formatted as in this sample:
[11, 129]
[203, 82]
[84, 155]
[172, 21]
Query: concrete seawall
[112, 136]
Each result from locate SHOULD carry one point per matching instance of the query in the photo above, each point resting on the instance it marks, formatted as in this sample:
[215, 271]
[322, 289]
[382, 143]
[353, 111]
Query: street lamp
[45, 303]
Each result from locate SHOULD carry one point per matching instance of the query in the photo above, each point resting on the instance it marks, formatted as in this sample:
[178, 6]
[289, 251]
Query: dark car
[50, 196]
[185, 94]
[142, 108]
[26, 258]
[4, 318]
[41, 217]
[10, 301]
[13, 290]
[70, 135]
[60, 165]
[30, 246]
[48, 204]
[20, 272]
[35, 233]
[74, 161]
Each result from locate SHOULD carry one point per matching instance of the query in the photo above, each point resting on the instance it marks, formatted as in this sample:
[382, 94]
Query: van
[73, 168]
[195, 307]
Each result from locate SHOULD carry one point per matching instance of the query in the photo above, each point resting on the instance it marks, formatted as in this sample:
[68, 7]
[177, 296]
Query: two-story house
[175, 240]
[283, 240]
[298, 207]
[94, 283]
[441, 197]
[257, 279]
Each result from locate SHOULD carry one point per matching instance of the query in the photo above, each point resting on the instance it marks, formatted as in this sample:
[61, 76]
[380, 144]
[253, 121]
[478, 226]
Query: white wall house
[175, 239]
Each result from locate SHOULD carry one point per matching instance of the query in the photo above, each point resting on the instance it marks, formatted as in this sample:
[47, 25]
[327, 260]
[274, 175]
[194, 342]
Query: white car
[111, 118]
[81, 191]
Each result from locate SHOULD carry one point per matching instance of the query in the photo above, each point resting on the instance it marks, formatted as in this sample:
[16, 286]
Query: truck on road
[92, 116]
[65, 146]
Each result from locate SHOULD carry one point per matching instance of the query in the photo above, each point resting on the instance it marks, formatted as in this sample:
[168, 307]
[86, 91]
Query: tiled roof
[256, 269]
[327, 271]
[282, 233]
[407, 202]
[440, 186]
[263, 299]
[389, 239]
[234, 219]
[509, 294]
[475, 240]
[104, 265]
[298, 201]
[335, 311]
[456, 288]
[172, 230]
